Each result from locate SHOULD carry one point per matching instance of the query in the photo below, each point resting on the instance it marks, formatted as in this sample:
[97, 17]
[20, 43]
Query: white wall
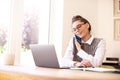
[106, 27]
[100, 15]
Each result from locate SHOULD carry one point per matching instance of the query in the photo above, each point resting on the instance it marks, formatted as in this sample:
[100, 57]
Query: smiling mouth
[79, 33]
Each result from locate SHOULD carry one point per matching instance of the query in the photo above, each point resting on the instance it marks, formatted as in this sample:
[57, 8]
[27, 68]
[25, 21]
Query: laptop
[44, 55]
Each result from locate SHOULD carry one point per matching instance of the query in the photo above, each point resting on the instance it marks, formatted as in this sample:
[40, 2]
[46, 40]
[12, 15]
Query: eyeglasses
[78, 26]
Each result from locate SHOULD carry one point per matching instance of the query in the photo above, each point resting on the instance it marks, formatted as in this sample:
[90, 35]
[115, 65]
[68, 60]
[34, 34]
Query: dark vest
[90, 49]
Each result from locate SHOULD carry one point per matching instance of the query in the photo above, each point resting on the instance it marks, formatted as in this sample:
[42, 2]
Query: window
[4, 25]
[29, 23]
[36, 26]
[36, 22]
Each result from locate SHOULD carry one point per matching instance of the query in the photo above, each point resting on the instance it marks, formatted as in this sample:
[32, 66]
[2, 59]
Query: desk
[25, 73]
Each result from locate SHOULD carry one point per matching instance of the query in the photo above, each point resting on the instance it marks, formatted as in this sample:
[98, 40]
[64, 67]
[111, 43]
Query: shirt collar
[89, 41]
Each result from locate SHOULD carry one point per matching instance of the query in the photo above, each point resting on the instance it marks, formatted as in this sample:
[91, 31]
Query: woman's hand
[78, 46]
[84, 63]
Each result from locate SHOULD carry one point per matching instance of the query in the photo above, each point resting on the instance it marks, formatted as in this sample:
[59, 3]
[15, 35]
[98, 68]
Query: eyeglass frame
[77, 27]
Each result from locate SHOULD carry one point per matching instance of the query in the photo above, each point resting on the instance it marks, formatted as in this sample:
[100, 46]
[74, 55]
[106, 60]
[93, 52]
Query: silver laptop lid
[44, 55]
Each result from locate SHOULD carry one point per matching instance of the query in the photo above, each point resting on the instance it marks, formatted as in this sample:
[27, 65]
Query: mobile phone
[78, 38]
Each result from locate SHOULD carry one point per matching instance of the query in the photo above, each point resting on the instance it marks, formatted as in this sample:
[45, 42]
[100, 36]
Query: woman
[83, 49]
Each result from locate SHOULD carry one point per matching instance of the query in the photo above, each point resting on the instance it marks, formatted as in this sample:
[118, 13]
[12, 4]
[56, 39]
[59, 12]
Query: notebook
[98, 69]
[44, 55]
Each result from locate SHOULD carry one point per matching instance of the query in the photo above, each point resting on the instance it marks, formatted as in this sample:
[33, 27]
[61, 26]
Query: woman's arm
[99, 54]
[67, 60]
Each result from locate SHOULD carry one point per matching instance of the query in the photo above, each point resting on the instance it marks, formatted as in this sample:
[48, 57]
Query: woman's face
[80, 28]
